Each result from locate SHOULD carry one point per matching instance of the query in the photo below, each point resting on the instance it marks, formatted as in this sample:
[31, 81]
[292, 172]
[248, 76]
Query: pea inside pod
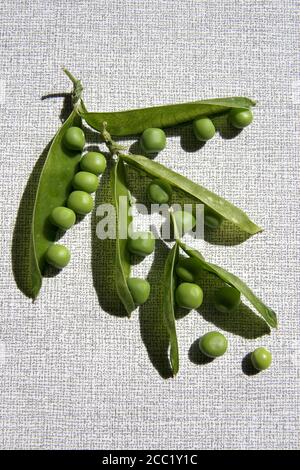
[63, 217]
[140, 289]
[85, 181]
[141, 243]
[159, 192]
[74, 138]
[93, 162]
[189, 295]
[80, 202]
[153, 140]
[58, 256]
[204, 129]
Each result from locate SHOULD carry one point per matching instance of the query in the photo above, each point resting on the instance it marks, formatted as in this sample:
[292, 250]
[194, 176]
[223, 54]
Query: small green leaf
[119, 188]
[218, 204]
[168, 306]
[135, 121]
[267, 313]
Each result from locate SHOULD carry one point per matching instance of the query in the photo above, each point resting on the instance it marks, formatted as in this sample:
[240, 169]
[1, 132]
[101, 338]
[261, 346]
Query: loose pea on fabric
[213, 344]
[261, 358]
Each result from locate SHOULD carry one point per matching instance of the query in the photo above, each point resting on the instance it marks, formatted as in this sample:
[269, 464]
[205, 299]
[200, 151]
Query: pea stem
[112, 146]
[77, 89]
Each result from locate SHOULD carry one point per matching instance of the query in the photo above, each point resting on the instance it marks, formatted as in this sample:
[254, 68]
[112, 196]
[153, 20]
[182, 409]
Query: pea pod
[267, 313]
[168, 305]
[53, 189]
[218, 204]
[135, 121]
[119, 189]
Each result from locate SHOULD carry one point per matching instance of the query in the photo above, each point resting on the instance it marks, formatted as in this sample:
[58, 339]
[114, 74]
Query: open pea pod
[218, 204]
[53, 189]
[168, 305]
[135, 121]
[123, 219]
[267, 313]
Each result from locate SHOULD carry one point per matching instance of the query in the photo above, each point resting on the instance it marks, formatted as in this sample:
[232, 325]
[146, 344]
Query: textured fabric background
[74, 374]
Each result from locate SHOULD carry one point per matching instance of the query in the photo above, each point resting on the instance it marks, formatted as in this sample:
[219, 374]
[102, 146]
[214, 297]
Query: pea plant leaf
[123, 219]
[168, 305]
[211, 200]
[135, 121]
[267, 313]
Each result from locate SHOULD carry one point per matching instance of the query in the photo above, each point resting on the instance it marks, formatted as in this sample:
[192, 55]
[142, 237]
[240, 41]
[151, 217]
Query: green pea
[74, 138]
[159, 192]
[153, 140]
[63, 217]
[80, 202]
[58, 256]
[188, 295]
[141, 243]
[240, 117]
[212, 220]
[140, 290]
[94, 162]
[261, 358]
[188, 269]
[227, 299]
[85, 181]
[204, 129]
[213, 344]
[185, 221]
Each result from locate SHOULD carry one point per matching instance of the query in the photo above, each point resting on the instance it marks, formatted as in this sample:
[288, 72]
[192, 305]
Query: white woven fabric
[73, 373]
